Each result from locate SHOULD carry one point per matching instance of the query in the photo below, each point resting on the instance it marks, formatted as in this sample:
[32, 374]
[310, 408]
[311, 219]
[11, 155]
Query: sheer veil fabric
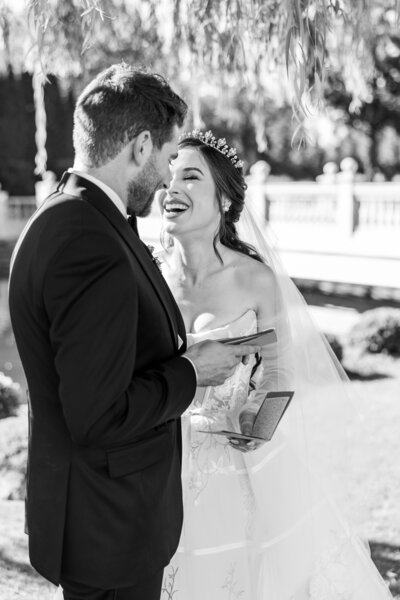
[312, 503]
[273, 524]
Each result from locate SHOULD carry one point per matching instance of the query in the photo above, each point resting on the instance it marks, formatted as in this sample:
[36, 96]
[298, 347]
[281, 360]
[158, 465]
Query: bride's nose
[173, 187]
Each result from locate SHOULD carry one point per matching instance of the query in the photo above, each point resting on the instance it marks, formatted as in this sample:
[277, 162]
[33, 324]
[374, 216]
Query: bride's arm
[275, 371]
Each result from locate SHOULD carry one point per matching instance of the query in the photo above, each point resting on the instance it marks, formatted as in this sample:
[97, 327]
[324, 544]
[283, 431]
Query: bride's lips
[173, 208]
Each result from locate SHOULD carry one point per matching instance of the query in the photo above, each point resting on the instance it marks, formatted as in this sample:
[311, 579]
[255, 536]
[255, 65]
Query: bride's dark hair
[229, 184]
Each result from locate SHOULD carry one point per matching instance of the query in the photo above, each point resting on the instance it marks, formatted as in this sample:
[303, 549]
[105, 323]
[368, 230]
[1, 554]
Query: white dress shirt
[115, 199]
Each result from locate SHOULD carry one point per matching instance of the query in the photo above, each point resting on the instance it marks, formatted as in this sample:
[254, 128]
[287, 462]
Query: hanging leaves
[235, 45]
[64, 31]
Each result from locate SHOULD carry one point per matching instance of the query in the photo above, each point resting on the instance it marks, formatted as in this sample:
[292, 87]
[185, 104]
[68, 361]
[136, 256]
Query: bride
[261, 520]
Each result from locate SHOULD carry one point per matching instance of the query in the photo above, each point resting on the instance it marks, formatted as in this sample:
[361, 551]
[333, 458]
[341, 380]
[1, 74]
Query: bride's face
[190, 202]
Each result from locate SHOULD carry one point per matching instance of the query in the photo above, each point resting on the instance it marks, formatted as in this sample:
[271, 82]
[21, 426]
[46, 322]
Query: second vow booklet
[267, 419]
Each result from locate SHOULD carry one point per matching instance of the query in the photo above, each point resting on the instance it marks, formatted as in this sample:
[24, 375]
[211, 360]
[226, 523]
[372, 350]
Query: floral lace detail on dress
[217, 408]
[168, 589]
[334, 578]
[199, 450]
[231, 585]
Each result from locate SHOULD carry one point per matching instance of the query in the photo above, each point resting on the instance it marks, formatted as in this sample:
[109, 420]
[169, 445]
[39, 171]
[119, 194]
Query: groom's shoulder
[61, 220]
[62, 212]
[62, 203]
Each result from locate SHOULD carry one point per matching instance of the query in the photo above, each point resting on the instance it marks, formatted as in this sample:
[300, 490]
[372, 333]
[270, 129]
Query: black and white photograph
[199, 299]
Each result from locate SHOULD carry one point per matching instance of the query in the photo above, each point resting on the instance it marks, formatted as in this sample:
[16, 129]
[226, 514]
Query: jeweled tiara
[220, 145]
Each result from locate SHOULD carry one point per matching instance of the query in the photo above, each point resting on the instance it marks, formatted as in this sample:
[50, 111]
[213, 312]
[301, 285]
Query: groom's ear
[141, 148]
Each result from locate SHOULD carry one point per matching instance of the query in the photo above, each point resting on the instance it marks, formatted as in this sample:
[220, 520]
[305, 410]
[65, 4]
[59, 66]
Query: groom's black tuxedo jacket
[97, 331]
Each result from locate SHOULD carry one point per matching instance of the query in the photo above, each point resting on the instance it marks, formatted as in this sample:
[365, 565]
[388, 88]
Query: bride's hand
[246, 422]
[245, 445]
[247, 417]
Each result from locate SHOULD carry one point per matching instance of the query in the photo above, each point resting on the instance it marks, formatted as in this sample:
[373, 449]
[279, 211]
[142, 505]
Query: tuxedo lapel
[74, 185]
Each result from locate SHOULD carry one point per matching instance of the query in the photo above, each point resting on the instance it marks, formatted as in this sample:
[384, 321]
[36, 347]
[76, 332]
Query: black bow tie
[133, 223]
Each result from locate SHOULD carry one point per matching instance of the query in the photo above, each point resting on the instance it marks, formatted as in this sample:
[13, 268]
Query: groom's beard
[141, 191]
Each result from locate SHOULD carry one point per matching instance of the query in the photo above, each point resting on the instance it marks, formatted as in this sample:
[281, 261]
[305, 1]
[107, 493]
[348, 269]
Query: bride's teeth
[173, 206]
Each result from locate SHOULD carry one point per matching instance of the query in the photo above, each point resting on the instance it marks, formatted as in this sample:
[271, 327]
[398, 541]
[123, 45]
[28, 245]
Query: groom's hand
[215, 362]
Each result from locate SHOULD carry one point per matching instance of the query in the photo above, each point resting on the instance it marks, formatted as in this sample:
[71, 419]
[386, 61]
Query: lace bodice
[221, 405]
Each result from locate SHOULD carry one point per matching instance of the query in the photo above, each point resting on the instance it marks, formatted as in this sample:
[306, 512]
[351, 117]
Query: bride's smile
[174, 207]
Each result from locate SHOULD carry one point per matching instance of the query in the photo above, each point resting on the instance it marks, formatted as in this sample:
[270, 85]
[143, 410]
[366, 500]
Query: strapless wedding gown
[243, 537]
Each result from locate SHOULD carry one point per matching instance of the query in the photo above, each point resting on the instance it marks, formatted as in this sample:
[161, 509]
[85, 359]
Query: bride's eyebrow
[192, 169]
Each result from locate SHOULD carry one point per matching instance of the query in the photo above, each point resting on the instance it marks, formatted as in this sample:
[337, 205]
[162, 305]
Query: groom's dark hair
[120, 103]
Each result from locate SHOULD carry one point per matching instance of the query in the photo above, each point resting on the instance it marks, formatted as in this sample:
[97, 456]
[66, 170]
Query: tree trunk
[38, 81]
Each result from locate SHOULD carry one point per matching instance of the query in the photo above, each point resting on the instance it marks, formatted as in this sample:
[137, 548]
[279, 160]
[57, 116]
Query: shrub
[13, 455]
[335, 345]
[9, 396]
[377, 330]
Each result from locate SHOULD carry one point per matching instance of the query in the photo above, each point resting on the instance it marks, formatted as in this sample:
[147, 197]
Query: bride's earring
[226, 206]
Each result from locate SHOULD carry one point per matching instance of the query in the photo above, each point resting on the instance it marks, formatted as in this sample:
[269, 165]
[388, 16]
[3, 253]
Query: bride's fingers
[237, 447]
[243, 350]
[242, 446]
[245, 446]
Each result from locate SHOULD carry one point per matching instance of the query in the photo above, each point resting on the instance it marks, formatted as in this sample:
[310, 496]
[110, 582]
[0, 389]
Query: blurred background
[309, 93]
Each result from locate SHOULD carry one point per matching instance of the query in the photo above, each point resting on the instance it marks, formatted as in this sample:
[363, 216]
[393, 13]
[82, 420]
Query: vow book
[262, 338]
[267, 419]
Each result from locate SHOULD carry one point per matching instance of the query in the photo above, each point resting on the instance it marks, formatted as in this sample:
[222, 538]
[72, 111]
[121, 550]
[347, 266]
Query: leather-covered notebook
[267, 419]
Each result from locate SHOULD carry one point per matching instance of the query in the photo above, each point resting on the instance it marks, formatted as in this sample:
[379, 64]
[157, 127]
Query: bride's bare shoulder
[260, 283]
[255, 275]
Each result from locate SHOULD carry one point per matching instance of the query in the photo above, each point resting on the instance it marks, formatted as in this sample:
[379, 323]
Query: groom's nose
[166, 180]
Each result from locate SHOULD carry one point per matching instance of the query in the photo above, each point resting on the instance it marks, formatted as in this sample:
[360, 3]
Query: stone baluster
[347, 213]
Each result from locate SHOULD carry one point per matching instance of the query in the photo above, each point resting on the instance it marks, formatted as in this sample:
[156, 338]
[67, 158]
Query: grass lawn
[18, 581]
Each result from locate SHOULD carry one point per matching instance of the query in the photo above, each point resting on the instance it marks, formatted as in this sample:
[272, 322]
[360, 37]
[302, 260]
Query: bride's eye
[190, 177]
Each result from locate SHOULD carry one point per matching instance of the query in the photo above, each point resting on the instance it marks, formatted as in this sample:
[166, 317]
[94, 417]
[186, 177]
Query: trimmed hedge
[335, 345]
[9, 396]
[378, 330]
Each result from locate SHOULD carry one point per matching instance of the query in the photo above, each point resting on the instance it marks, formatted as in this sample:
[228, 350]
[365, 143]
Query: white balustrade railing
[352, 206]
[378, 205]
[301, 202]
[349, 205]
[308, 218]
[21, 207]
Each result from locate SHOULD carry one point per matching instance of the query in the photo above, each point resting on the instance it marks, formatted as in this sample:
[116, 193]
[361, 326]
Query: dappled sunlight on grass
[18, 580]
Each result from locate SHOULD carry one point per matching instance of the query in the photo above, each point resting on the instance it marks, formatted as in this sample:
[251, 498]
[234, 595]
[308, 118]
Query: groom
[103, 347]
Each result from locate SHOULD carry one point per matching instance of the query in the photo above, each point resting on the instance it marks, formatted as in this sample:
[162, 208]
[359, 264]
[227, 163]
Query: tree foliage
[223, 40]
[376, 114]
[284, 50]
[219, 38]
